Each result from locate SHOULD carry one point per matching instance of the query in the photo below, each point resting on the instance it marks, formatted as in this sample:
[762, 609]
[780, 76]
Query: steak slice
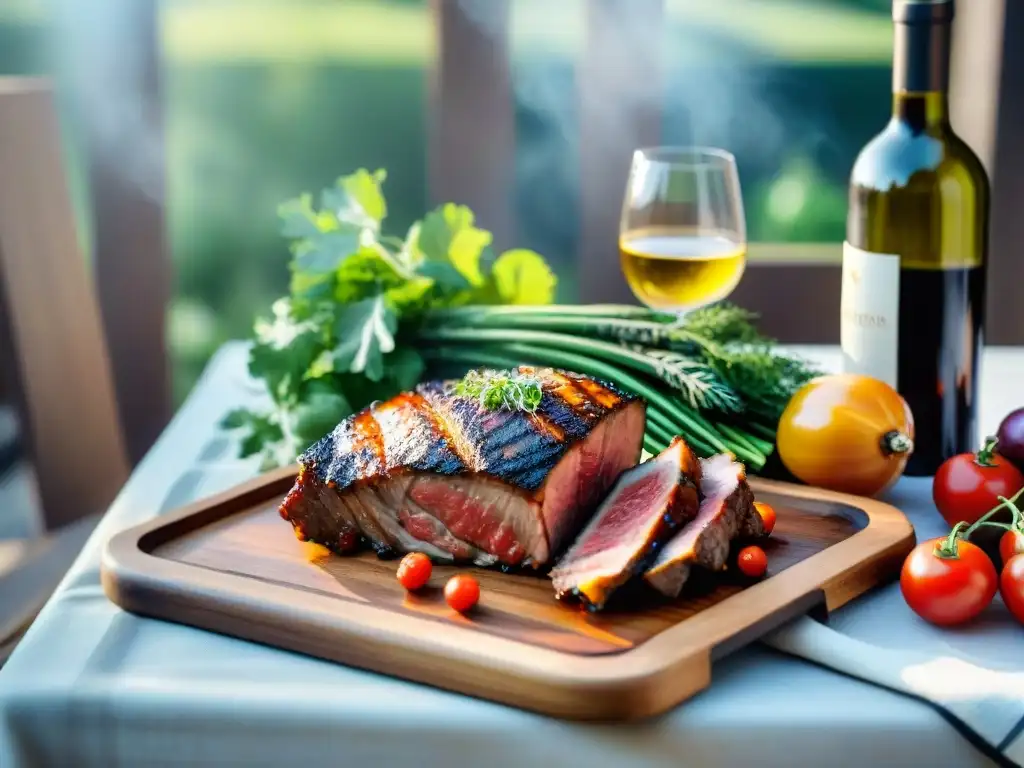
[646, 504]
[726, 512]
[433, 472]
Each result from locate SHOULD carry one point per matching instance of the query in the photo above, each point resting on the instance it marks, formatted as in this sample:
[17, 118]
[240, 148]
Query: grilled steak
[646, 504]
[432, 472]
[726, 512]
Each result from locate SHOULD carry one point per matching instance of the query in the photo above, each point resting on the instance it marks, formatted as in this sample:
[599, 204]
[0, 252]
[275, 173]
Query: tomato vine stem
[983, 458]
[949, 550]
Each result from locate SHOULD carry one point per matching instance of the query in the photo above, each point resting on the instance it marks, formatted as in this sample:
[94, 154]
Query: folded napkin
[985, 703]
[973, 675]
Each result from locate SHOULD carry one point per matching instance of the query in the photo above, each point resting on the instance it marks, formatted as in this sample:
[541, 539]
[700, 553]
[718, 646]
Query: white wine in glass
[682, 236]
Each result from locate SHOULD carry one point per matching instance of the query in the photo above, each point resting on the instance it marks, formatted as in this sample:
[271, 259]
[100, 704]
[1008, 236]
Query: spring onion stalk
[660, 434]
[765, 447]
[652, 446]
[623, 329]
[658, 417]
[603, 350]
[764, 431]
[737, 437]
[623, 311]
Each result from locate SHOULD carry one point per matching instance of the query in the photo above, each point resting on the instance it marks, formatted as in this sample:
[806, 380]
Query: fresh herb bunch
[370, 314]
[495, 390]
[330, 346]
[713, 378]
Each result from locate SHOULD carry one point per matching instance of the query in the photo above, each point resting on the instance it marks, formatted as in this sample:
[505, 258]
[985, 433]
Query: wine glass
[682, 236]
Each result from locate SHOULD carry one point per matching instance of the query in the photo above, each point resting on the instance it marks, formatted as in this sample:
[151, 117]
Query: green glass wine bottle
[913, 292]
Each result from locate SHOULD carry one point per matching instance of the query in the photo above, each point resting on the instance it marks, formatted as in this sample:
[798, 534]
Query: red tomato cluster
[950, 580]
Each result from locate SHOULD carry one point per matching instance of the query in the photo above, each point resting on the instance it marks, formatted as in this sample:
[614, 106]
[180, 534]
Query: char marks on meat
[726, 512]
[643, 509]
[433, 472]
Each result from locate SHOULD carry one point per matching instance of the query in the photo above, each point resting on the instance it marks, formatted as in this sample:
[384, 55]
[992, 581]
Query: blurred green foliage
[268, 99]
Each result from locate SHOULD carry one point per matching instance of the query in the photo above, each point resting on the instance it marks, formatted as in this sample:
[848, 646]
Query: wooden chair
[54, 355]
[60, 362]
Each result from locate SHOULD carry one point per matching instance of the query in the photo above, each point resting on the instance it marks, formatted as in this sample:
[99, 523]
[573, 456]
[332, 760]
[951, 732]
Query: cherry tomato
[767, 516]
[968, 485]
[1011, 586]
[752, 562]
[461, 592]
[948, 590]
[1011, 543]
[414, 570]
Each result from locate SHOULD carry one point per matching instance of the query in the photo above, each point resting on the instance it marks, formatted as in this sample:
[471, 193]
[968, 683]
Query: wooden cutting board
[230, 564]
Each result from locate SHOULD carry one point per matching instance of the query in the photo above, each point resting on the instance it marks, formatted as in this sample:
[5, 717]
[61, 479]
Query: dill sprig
[725, 338]
[723, 323]
[511, 390]
[698, 382]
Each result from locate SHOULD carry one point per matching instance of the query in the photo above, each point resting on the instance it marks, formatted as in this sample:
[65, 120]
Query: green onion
[652, 446]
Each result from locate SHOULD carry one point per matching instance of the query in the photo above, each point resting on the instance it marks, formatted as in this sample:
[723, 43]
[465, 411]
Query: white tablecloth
[91, 685]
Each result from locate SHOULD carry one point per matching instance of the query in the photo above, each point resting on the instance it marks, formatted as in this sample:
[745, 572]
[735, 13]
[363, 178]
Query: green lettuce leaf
[365, 332]
[405, 367]
[448, 237]
[364, 275]
[284, 349]
[324, 252]
[357, 199]
[523, 277]
[321, 409]
[299, 220]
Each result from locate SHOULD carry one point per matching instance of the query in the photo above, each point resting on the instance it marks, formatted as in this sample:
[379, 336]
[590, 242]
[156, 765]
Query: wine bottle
[913, 291]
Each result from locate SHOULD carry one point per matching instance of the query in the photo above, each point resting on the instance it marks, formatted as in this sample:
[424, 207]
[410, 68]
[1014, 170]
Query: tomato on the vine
[1011, 586]
[947, 582]
[1011, 543]
[970, 484]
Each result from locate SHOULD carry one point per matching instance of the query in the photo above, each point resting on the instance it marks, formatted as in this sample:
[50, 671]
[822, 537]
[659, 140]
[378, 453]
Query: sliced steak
[644, 507]
[726, 511]
[434, 472]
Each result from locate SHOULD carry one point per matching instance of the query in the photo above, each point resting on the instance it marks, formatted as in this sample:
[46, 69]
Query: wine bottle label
[869, 313]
